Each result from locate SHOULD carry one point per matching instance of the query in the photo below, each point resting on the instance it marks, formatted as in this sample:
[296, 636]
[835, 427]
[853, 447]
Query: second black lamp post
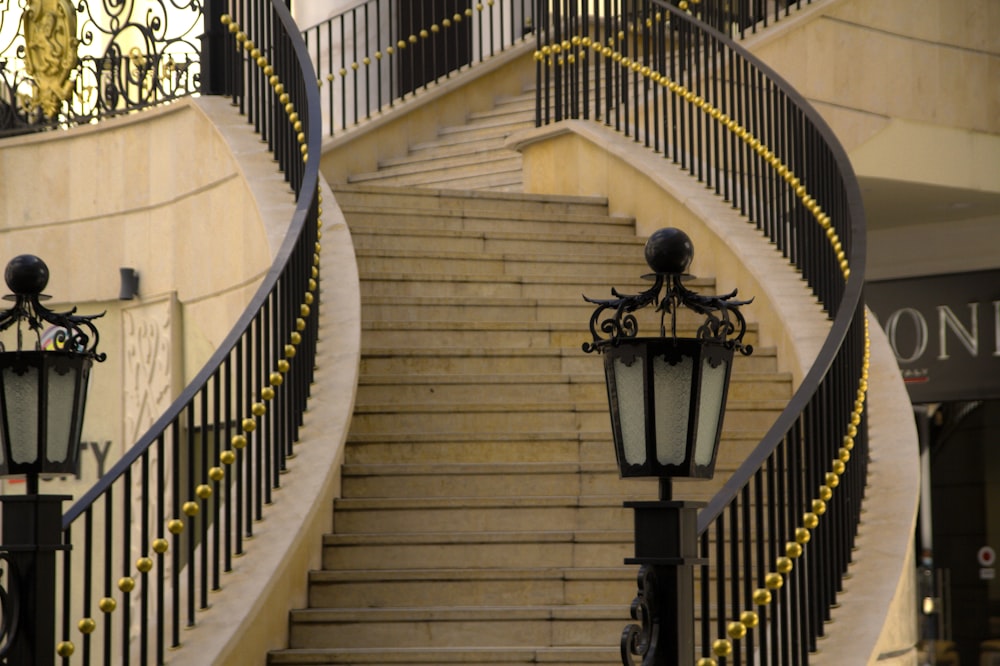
[667, 396]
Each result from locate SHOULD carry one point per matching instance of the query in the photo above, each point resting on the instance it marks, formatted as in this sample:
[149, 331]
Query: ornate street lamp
[667, 397]
[42, 396]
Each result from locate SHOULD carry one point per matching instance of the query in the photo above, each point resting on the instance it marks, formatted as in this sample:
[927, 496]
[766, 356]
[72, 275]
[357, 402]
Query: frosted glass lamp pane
[20, 396]
[62, 385]
[713, 388]
[631, 409]
[672, 391]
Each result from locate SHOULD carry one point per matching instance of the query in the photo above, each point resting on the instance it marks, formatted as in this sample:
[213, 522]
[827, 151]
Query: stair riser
[531, 421]
[492, 365]
[459, 519]
[501, 338]
[470, 633]
[401, 286]
[469, 452]
[376, 262]
[429, 203]
[440, 170]
[480, 243]
[501, 174]
[576, 313]
[487, 555]
[486, 221]
[489, 393]
[433, 592]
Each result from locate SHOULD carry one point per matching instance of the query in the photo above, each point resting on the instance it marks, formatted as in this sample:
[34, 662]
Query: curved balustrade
[153, 537]
[381, 52]
[778, 536]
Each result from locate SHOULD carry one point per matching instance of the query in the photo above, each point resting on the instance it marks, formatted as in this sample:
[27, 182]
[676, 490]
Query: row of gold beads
[204, 491]
[553, 54]
[774, 580]
[412, 39]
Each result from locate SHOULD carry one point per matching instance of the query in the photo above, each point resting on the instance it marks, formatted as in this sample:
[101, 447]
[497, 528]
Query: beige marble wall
[161, 192]
[911, 68]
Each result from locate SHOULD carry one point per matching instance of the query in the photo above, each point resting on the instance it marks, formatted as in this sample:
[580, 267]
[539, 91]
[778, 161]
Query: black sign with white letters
[945, 332]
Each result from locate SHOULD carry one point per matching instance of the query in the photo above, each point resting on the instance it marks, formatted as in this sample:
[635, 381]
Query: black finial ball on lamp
[26, 275]
[669, 251]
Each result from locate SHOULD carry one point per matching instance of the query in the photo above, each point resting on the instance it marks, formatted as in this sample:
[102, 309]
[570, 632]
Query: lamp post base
[666, 547]
[32, 535]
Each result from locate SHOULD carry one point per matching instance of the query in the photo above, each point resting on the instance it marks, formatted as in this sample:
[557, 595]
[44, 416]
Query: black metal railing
[75, 63]
[778, 537]
[153, 537]
[380, 52]
[740, 18]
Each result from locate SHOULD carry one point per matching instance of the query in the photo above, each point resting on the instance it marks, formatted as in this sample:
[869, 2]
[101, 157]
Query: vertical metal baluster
[126, 564]
[108, 530]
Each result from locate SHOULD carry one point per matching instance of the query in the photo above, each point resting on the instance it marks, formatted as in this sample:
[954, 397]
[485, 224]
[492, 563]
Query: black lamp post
[42, 396]
[667, 396]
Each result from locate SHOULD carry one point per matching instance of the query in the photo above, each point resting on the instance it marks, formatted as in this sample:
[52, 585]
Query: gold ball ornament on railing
[227, 457]
[736, 630]
[216, 474]
[126, 584]
[721, 647]
[283, 366]
[161, 546]
[802, 535]
[248, 425]
[190, 509]
[107, 605]
[144, 565]
[65, 649]
[267, 393]
[749, 619]
[707, 661]
[276, 379]
[774, 581]
[784, 565]
[810, 520]
[203, 491]
[258, 409]
[175, 526]
[239, 441]
[761, 596]
[86, 625]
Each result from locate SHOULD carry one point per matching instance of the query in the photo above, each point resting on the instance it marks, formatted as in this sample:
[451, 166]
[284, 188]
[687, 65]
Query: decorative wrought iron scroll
[724, 323]
[27, 276]
[64, 64]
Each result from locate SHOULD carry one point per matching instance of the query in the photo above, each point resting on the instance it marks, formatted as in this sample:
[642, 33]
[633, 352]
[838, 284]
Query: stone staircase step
[470, 202]
[365, 216]
[450, 172]
[549, 416]
[625, 248]
[428, 515]
[486, 286]
[476, 550]
[523, 626]
[537, 387]
[615, 272]
[501, 332]
[501, 447]
[434, 152]
[488, 656]
[488, 361]
[362, 588]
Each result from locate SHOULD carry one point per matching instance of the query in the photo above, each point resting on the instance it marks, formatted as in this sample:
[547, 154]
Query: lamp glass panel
[631, 409]
[62, 383]
[713, 390]
[672, 397]
[20, 396]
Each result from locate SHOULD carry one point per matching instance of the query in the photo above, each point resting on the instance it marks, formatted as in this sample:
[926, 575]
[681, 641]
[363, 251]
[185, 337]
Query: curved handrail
[686, 90]
[218, 450]
[376, 53]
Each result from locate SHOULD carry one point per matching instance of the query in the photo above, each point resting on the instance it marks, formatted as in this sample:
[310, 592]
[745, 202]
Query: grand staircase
[481, 517]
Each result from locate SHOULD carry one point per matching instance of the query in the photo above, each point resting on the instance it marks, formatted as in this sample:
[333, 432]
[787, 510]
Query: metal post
[666, 547]
[213, 70]
[32, 534]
